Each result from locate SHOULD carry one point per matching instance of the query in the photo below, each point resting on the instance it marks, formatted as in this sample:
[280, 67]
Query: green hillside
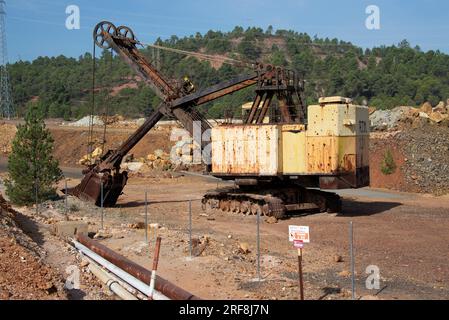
[383, 77]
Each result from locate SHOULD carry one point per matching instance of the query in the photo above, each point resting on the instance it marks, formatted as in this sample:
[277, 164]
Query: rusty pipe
[126, 277]
[164, 286]
[156, 253]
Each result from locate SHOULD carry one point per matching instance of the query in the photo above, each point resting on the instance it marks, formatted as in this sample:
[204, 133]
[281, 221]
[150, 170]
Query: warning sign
[299, 233]
[298, 244]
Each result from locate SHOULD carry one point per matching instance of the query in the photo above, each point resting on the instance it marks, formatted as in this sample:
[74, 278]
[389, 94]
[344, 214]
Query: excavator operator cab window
[187, 86]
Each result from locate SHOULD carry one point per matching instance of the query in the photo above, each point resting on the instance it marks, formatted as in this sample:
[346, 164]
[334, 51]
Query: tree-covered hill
[383, 77]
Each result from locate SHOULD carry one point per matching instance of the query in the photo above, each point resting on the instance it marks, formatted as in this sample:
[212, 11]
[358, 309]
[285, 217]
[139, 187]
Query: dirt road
[404, 235]
[68, 172]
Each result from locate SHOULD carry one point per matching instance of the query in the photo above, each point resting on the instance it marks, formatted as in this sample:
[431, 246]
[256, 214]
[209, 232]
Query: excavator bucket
[90, 188]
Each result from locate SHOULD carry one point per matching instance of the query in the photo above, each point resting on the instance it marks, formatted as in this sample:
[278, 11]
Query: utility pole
[6, 104]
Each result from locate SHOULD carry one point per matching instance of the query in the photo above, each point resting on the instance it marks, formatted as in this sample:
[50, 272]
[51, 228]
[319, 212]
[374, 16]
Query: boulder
[424, 115]
[338, 258]
[427, 108]
[344, 274]
[158, 153]
[151, 157]
[414, 112]
[132, 166]
[91, 157]
[157, 164]
[101, 234]
[69, 228]
[244, 248]
[138, 225]
[271, 220]
[437, 117]
[441, 108]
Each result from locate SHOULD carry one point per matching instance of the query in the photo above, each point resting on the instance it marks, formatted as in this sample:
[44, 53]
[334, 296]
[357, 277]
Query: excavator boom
[103, 183]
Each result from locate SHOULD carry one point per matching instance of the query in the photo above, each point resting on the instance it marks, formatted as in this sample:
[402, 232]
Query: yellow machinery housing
[329, 152]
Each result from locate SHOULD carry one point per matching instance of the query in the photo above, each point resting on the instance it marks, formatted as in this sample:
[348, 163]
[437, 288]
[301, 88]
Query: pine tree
[33, 172]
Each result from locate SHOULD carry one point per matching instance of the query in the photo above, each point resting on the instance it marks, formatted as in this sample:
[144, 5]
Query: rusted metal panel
[333, 148]
[294, 158]
[247, 149]
[322, 154]
[329, 155]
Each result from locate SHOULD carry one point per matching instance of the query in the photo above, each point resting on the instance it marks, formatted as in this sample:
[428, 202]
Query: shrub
[388, 166]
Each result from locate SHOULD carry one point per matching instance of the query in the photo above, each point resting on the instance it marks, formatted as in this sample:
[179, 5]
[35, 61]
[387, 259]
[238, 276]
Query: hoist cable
[224, 60]
[91, 119]
[106, 115]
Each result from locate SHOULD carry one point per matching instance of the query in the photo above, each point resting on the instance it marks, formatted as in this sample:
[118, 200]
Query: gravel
[388, 119]
[86, 121]
[426, 151]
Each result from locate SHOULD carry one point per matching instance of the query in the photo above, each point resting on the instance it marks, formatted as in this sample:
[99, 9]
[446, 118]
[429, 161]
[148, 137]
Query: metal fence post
[146, 216]
[65, 198]
[102, 210]
[36, 194]
[258, 245]
[351, 252]
[301, 277]
[190, 228]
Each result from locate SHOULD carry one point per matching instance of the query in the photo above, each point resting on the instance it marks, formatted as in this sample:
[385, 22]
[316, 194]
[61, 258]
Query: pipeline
[163, 286]
[112, 284]
[126, 277]
[136, 293]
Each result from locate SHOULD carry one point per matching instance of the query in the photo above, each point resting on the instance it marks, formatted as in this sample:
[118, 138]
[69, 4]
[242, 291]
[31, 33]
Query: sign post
[299, 235]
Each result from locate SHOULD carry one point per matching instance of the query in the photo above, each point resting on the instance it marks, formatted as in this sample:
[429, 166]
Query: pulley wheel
[100, 28]
[125, 32]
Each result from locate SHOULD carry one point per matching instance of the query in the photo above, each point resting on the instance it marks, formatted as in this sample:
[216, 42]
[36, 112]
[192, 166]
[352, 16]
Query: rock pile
[426, 152]
[181, 157]
[92, 157]
[392, 119]
[159, 160]
[186, 152]
[86, 121]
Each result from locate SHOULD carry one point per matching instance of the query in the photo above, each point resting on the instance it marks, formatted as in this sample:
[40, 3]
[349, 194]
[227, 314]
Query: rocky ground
[7, 133]
[224, 262]
[418, 139]
[405, 235]
[23, 274]
[34, 263]
[427, 159]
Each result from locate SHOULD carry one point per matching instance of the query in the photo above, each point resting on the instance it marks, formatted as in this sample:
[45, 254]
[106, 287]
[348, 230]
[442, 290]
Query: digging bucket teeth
[90, 187]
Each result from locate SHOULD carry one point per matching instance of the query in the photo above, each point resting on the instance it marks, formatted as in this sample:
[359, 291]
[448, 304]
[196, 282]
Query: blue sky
[37, 27]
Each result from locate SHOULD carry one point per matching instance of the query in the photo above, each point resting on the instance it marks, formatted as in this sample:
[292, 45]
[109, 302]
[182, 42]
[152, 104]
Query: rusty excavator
[279, 165]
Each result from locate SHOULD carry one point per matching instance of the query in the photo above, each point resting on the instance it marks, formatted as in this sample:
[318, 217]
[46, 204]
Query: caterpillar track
[272, 202]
